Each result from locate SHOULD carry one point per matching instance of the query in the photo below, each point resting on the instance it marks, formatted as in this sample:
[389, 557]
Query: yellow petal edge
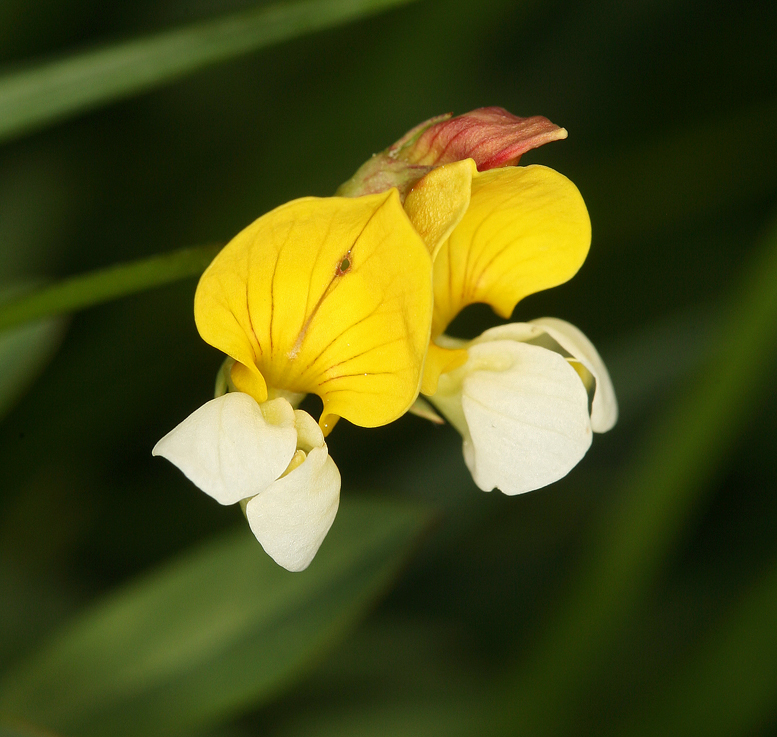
[330, 296]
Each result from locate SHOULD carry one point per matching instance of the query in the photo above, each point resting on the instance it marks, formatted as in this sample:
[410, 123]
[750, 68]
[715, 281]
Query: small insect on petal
[345, 265]
[275, 299]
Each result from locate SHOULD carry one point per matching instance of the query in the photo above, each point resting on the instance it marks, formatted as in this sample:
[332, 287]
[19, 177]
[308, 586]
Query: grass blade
[106, 284]
[212, 633]
[39, 96]
[660, 491]
[24, 352]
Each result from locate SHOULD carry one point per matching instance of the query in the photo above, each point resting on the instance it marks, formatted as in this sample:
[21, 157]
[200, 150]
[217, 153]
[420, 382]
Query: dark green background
[671, 112]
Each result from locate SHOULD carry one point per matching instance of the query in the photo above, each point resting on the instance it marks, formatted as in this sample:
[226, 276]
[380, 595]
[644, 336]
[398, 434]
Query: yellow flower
[326, 296]
[331, 296]
[349, 298]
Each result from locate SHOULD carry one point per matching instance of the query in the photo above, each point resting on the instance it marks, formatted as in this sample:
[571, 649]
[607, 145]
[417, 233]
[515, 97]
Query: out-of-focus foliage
[47, 92]
[23, 352]
[637, 596]
[211, 633]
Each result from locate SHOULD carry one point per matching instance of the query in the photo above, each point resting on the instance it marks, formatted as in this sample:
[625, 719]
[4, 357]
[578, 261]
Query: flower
[329, 296]
[349, 298]
[497, 233]
[519, 395]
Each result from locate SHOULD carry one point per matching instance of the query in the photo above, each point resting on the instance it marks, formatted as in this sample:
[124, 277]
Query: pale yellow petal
[330, 296]
[437, 203]
[438, 361]
[604, 407]
[526, 229]
[421, 408]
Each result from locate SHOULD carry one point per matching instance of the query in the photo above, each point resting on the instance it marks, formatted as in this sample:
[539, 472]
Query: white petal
[309, 434]
[519, 331]
[527, 417]
[292, 517]
[232, 447]
[604, 410]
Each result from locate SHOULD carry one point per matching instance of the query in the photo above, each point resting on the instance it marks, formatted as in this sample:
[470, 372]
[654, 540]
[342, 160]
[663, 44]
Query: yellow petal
[437, 202]
[526, 229]
[330, 296]
[439, 360]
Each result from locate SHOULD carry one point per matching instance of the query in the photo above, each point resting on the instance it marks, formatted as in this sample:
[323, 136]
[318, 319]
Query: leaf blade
[211, 633]
[24, 351]
[47, 93]
[105, 284]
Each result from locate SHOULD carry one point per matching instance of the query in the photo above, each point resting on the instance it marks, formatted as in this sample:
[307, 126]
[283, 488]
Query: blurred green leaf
[729, 688]
[23, 729]
[678, 177]
[212, 633]
[661, 489]
[394, 676]
[106, 284]
[36, 97]
[24, 352]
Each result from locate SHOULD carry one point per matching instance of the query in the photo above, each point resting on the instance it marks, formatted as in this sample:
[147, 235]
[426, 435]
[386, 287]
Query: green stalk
[106, 284]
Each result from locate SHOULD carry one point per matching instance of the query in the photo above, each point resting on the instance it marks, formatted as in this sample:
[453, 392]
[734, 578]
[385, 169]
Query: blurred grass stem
[106, 284]
[659, 494]
[36, 97]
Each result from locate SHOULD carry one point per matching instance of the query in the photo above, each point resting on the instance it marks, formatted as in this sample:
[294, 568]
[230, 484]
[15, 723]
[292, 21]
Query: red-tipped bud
[490, 136]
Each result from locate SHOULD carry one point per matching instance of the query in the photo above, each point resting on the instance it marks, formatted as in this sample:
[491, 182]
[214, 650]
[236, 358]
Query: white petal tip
[229, 449]
[293, 516]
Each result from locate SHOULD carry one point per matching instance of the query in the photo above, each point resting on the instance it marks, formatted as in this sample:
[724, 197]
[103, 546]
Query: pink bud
[489, 135]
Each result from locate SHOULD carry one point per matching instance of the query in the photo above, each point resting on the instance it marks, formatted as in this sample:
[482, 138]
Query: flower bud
[490, 136]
